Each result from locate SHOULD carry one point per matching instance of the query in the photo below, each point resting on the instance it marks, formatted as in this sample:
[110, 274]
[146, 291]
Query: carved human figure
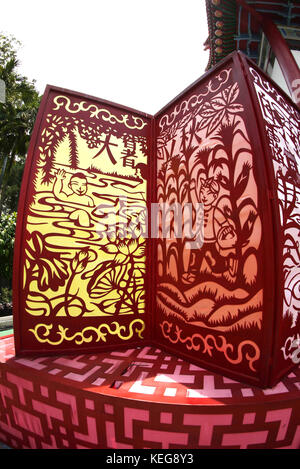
[78, 196]
[218, 252]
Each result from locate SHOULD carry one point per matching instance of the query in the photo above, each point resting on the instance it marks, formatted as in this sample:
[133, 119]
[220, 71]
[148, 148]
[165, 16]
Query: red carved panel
[212, 304]
[80, 257]
[280, 122]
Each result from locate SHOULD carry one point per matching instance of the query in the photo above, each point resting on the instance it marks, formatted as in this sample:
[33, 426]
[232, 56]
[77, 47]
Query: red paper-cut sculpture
[179, 229]
[80, 253]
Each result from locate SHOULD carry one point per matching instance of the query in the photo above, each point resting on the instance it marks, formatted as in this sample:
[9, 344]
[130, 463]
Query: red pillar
[281, 50]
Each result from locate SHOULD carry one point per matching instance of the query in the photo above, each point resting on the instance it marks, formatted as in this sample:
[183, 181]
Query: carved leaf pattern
[46, 266]
[219, 108]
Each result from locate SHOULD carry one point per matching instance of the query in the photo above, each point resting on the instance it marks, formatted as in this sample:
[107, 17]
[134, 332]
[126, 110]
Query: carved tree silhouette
[74, 157]
[93, 132]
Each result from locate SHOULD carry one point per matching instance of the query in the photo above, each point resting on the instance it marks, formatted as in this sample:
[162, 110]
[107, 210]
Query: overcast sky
[140, 53]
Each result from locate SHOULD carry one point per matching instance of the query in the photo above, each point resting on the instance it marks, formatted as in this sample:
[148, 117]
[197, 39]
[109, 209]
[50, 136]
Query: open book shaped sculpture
[179, 229]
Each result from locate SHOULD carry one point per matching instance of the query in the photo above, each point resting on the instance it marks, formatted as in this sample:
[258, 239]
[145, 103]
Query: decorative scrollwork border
[209, 343]
[125, 332]
[195, 100]
[95, 111]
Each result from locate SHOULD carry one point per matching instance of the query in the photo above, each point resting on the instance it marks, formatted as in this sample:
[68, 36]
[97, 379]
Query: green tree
[7, 239]
[12, 188]
[17, 114]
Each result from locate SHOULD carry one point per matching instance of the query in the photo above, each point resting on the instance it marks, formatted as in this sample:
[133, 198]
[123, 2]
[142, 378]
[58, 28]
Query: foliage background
[17, 117]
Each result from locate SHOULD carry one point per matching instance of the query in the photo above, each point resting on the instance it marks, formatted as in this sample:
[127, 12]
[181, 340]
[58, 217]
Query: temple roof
[231, 27]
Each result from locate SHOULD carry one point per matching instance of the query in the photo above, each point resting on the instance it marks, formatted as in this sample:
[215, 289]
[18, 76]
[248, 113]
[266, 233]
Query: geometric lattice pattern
[74, 402]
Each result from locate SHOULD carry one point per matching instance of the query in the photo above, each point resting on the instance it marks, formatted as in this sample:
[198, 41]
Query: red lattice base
[139, 398]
